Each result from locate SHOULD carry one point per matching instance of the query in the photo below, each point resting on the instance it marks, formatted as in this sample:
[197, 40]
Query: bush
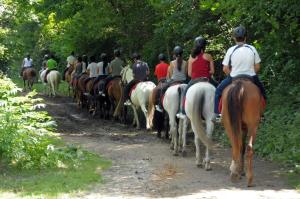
[26, 134]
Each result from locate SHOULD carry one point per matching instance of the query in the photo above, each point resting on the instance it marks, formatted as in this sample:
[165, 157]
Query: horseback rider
[140, 72]
[103, 64]
[71, 60]
[114, 70]
[200, 68]
[161, 69]
[85, 63]
[241, 59]
[27, 63]
[177, 73]
[51, 65]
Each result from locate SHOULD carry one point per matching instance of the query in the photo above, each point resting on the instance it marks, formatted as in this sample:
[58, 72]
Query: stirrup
[127, 103]
[157, 107]
[217, 118]
[180, 115]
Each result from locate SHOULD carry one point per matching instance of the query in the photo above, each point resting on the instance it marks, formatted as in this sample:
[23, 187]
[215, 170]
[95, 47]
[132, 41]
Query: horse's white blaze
[205, 92]
[140, 98]
[171, 104]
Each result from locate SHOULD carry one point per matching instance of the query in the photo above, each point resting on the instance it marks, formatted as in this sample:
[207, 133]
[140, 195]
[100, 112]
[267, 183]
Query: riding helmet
[117, 52]
[178, 50]
[239, 32]
[103, 56]
[161, 57]
[136, 55]
[200, 41]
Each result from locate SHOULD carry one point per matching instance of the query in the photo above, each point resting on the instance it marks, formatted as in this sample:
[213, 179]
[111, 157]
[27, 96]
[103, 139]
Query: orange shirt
[161, 70]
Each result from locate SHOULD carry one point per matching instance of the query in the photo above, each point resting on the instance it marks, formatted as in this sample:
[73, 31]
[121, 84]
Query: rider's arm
[211, 64]
[190, 62]
[109, 69]
[170, 69]
[257, 67]
[226, 69]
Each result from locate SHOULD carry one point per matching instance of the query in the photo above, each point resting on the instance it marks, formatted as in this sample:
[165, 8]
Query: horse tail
[234, 104]
[33, 73]
[197, 117]
[120, 102]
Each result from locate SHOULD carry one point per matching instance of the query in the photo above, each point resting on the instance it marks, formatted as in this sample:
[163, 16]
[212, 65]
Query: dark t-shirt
[140, 70]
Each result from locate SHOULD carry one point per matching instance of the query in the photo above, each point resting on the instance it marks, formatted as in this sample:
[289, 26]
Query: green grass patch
[40, 87]
[52, 182]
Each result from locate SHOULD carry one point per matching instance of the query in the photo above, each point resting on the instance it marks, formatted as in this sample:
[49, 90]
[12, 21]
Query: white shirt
[100, 66]
[243, 60]
[27, 62]
[71, 60]
[92, 67]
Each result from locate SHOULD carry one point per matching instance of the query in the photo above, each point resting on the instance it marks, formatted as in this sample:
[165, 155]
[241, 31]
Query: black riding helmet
[117, 52]
[200, 41]
[177, 51]
[103, 56]
[136, 55]
[239, 32]
[162, 57]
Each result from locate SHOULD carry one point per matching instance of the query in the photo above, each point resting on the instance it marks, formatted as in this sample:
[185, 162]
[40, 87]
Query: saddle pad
[133, 88]
[263, 104]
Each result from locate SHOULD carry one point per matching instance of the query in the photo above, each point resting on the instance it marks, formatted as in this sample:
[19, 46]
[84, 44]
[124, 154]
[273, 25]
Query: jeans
[228, 81]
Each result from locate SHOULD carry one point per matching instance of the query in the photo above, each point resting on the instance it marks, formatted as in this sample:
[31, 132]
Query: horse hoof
[158, 134]
[208, 168]
[184, 153]
[199, 165]
[243, 173]
[234, 177]
[172, 147]
[175, 153]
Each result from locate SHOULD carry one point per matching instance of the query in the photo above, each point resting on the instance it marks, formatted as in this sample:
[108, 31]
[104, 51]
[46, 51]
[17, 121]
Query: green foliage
[52, 182]
[26, 134]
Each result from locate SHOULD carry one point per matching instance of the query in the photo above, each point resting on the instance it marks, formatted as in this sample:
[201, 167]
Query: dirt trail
[143, 165]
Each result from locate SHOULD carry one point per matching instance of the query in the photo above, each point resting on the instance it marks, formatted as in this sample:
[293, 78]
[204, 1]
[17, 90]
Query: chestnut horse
[115, 95]
[28, 75]
[68, 77]
[242, 108]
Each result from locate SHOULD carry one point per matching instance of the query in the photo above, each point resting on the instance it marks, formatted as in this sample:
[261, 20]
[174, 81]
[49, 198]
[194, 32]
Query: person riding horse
[241, 59]
[161, 69]
[200, 68]
[140, 71]
[71, 60]
[177, 73]
[114, 70]
[27, 63]
[51, 65]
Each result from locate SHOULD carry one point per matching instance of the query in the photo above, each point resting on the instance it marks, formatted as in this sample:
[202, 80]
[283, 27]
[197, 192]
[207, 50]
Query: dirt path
[143, 165]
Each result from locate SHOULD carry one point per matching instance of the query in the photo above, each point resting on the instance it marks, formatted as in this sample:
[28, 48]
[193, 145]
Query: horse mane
[235, 102]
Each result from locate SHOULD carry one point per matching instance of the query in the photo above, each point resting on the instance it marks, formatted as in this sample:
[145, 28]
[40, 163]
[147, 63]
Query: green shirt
[51, 64]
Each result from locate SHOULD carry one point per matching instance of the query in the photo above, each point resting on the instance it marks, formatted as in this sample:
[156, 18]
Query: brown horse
[242, 107]
[80, 90]
[115, 94]
[68, 77]
[28, 75]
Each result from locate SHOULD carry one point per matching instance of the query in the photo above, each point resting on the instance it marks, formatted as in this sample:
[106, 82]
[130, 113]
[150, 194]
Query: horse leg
[173, 132]
[143, 107]
[243, 150]
[184, 131]
[135, 118]
[252, 133]
[209, 131]
[24, 84]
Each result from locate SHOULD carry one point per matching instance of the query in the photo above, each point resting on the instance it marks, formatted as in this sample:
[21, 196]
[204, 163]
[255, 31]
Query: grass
[40, 88]
[51, 183]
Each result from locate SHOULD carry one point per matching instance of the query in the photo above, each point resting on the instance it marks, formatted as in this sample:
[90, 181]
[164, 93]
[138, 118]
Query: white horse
[199, 105]
[139, 96]
[53, 80]
[171, 104]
